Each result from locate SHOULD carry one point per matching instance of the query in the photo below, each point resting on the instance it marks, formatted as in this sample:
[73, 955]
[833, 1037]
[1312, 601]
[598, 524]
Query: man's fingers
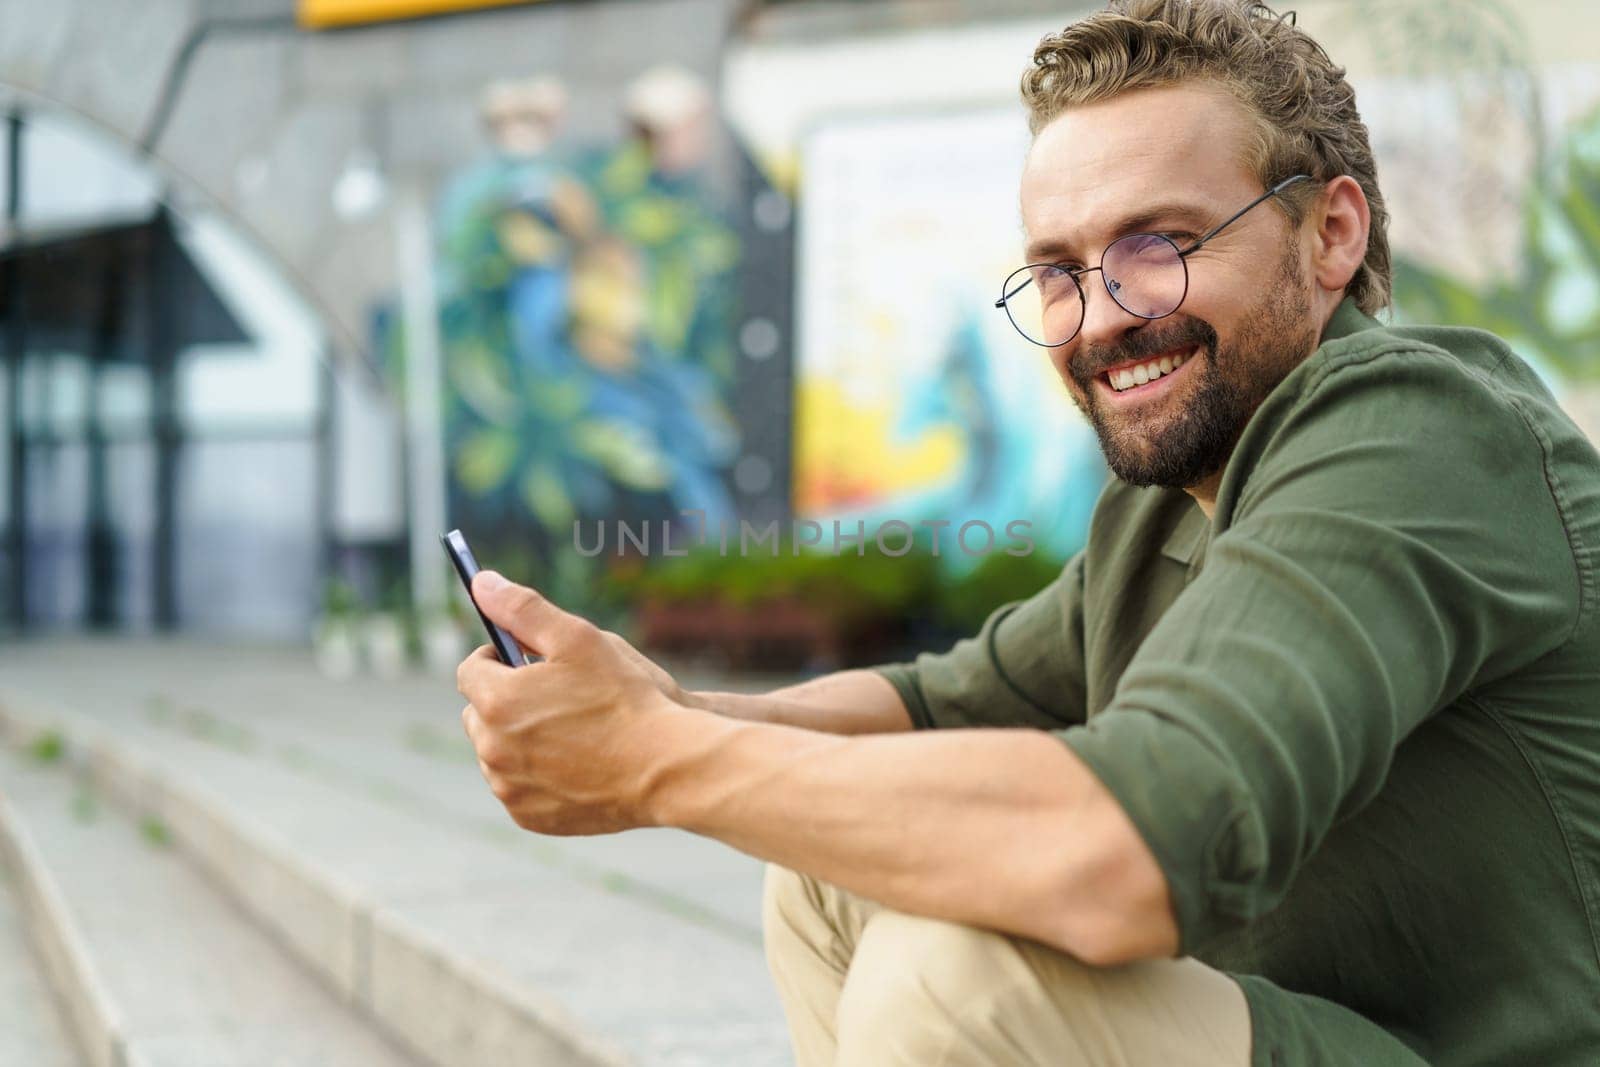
[490, 750]
[492, 779]
[496, 757]
[476, 674]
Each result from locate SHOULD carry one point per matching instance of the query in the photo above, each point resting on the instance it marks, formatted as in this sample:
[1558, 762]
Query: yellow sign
[328, 14]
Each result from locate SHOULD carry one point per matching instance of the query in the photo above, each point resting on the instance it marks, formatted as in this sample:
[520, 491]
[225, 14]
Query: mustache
[1092, 361]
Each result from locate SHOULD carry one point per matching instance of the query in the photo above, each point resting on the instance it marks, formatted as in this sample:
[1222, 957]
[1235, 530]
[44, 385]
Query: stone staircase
[219, 857]
[33, 1028]
[155, 965]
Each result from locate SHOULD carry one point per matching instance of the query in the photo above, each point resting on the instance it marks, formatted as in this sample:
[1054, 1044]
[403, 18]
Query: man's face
[1169, 160]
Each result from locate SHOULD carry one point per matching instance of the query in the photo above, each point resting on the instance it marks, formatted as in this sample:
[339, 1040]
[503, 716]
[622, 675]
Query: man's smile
[1135, 381]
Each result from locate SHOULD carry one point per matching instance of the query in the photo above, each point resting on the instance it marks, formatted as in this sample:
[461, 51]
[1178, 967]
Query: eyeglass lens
[1143, 272]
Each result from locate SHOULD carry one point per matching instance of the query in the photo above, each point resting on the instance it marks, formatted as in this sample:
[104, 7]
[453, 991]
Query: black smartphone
[455, 546]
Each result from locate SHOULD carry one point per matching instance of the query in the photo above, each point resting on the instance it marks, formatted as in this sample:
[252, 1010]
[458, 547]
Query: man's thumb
[537, 624]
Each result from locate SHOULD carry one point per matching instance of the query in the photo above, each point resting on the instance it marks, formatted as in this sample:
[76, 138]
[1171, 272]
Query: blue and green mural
[585, 304]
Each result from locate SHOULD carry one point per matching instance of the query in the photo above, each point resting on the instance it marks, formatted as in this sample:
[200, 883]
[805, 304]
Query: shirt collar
[1347, 319]
[1186, 533]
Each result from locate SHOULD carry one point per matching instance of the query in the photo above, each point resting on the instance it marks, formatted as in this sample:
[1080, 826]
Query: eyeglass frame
[1077, 274]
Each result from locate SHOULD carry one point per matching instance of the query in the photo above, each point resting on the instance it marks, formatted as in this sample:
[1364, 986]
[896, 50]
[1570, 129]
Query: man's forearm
[1004, 829]
[845, 702]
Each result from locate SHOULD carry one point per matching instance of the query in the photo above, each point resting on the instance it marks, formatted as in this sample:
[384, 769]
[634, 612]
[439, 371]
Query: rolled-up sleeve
[1024, 667]
[1395, 543]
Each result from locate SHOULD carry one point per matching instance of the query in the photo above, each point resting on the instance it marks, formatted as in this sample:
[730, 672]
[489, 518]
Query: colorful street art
[916, 399]
[584, 300]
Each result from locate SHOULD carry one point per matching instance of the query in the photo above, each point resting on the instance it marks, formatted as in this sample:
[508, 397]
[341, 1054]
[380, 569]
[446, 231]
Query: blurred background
[287, 289]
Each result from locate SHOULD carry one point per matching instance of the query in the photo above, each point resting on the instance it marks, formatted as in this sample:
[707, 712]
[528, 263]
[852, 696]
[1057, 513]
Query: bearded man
[1298, 762]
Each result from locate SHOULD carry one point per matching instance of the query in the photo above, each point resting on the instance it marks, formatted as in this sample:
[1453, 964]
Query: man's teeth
[1128, 377]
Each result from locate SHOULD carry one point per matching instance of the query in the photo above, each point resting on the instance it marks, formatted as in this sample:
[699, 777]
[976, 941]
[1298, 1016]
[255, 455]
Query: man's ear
[1340, 218]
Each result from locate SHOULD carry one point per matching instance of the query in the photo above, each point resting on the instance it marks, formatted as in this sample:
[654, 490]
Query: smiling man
[1298, 762]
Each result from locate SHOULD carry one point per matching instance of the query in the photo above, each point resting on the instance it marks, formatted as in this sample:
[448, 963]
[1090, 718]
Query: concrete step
[33, 1026]
[351, 818]
[170, 973]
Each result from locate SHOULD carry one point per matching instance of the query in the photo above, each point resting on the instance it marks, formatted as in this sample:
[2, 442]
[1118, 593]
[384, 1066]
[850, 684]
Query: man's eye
[1055, 269]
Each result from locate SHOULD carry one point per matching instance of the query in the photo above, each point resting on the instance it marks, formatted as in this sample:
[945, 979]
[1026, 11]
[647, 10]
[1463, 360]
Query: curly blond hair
[1303, 111]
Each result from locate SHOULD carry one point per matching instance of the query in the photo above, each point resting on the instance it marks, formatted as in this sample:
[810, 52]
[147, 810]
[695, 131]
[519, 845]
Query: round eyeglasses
[1147, 274]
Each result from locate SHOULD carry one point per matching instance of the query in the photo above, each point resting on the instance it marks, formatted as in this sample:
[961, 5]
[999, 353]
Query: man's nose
[1104, 320]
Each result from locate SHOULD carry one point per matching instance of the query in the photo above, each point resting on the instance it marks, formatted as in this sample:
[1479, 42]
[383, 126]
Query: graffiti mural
[585, 298]
[916, 400]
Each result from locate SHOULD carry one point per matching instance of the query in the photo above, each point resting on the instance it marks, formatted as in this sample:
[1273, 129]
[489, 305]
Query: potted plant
[383, 634]
[442, 633]
[334, 642]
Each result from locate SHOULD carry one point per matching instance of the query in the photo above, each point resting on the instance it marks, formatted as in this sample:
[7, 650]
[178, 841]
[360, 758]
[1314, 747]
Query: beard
[1191, 437]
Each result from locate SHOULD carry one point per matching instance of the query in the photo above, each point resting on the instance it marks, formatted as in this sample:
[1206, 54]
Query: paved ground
[650, 939]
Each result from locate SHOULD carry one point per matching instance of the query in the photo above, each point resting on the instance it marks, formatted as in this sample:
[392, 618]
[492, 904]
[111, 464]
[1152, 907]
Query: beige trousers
[866, 986]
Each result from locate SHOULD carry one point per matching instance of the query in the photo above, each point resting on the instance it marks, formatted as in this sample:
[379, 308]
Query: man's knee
[787, 897]
[915, 982]
[911, 955]
[794, 921]
[782, 893]
[802, 912]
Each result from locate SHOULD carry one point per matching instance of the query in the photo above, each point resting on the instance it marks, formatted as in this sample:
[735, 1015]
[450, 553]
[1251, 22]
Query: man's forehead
[1104, 161]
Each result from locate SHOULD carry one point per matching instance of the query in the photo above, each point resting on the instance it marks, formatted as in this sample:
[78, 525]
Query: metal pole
[327, 467]
[100, 546]
[16, 343]
[425, 472]
[164, 297]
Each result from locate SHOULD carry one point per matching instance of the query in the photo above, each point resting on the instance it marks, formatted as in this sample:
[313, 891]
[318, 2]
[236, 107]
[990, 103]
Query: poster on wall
[916, 401]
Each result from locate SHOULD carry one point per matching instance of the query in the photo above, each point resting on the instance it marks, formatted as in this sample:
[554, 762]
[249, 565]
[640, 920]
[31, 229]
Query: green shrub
[1000, 578]
[850, 589]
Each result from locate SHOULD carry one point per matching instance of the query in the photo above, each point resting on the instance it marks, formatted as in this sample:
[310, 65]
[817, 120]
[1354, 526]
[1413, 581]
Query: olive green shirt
[1355, 716]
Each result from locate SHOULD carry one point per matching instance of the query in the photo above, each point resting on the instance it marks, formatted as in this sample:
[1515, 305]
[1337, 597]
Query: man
[1308, 766]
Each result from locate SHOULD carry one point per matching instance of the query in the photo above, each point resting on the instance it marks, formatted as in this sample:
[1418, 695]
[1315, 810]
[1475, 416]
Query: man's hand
[664, 681]
[564, 744]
